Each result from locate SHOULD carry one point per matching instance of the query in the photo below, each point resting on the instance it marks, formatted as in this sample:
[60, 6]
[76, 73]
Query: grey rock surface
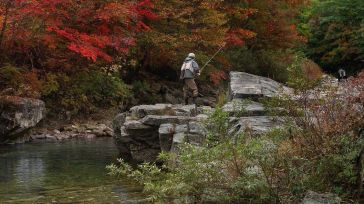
[181, 128]
[162, 110]
[317, 198]
[157, 120]
[144, 110]
[146, 130]
[136, 125]
[166, 132]
[178, 139]
[17, 115]
[244, 85]
[117, 123]
[196, 128]
[256, 125]
[240, 108]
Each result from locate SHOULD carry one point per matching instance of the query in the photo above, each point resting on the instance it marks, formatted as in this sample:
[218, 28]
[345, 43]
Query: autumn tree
[56, 50]
[335, 31]
[199, 26]
[203, 26]
[270, 52]
[54, 33]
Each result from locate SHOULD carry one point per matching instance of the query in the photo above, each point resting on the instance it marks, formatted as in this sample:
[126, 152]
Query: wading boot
[194, 103]
[186, 101]
[194, 100]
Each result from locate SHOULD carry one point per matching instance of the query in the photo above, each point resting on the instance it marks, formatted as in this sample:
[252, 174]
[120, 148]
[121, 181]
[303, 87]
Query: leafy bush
[83, 91]
[221, 174]
[10, 76]
[222, 170]
[143, 92]
[20, 81]
[269, 63]
[217, 126]
[325, 143]
[298, 79]
[140, 87]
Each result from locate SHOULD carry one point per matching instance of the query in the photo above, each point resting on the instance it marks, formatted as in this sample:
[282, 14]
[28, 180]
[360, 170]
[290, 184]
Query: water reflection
[67, 172]
[29, 173]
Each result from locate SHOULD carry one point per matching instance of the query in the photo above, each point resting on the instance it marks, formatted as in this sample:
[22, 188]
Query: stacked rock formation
[144, 131]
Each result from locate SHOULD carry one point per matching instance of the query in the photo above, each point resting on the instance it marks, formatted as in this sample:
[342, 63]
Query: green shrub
[221, 171]
[269, 63]
[143, 92]
[22, 82]
[217, 126]
[140, 87]
[10, 76]
[83, 91]
[221, 174]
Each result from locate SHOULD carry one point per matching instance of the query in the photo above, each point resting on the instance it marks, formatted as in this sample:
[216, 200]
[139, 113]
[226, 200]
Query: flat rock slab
[136, 125]
[244, 85]
[240, 108]
[143, 110]
[163, 109]
[157, 120]
[256, 125]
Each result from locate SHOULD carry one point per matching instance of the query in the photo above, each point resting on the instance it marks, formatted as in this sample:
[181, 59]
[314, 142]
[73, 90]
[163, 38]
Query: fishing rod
[212, 58]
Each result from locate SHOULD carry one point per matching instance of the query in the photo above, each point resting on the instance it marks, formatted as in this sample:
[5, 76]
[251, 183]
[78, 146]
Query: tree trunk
[360, 167]
[3, 29]
[360, 171]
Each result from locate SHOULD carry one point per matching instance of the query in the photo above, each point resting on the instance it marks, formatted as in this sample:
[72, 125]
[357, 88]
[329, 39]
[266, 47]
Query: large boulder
[17, 115]
[244, 85]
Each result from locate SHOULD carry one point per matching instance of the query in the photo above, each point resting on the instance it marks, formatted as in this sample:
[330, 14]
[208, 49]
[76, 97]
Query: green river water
[65, 172]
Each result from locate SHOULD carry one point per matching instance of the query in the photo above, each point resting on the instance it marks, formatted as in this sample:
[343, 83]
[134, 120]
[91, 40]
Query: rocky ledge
[87, 130]
[17, 115]
[146, 130]
[248, 86]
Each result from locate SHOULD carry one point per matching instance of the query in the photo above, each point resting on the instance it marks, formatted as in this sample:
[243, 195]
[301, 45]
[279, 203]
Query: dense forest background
[79, 55]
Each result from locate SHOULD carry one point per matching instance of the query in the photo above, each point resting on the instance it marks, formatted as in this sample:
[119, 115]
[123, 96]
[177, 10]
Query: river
[64, 172]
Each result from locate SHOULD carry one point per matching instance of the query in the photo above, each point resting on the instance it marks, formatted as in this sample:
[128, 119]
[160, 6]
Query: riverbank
[50, 129]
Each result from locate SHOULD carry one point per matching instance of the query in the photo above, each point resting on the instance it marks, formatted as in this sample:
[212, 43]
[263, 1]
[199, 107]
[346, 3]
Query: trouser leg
[191, 85]
[185, 92]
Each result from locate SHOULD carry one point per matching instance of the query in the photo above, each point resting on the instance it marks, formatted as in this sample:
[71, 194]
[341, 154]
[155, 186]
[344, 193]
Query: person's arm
[196, 68]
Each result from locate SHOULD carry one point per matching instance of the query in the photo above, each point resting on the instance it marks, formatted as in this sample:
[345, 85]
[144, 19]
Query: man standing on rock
[342, 74]
[189, 71]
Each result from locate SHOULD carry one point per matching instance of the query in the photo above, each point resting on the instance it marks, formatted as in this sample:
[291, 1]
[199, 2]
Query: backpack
[187, 66]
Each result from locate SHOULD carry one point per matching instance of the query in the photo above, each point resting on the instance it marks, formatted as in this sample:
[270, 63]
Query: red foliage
[238, 36]
[217, 76]
[93, 29]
